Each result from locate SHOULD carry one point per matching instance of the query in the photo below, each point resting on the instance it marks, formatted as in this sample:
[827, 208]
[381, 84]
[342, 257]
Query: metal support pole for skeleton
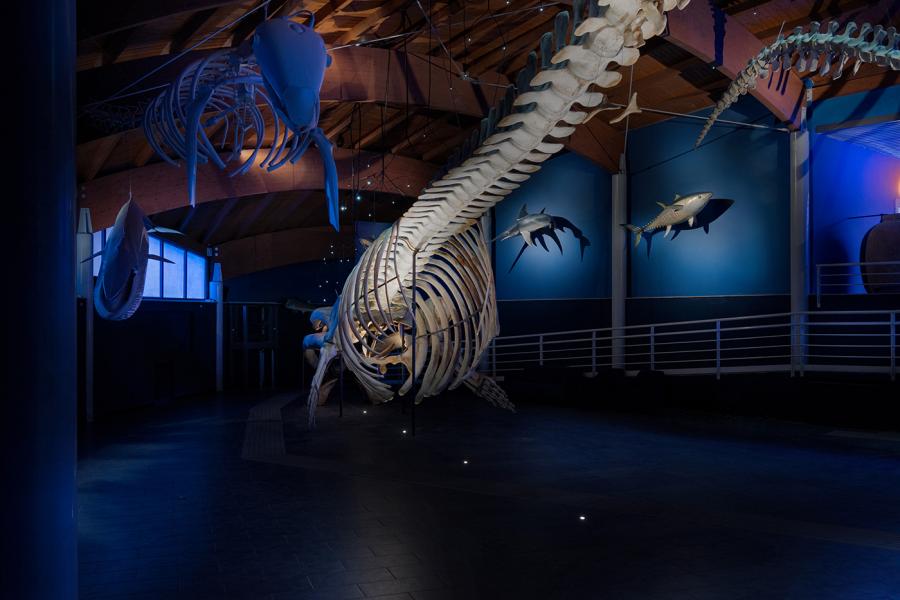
[415, 334]
[619, 264]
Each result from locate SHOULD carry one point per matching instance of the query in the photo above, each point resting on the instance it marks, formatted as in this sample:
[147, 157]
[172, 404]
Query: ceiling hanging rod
[687, 116]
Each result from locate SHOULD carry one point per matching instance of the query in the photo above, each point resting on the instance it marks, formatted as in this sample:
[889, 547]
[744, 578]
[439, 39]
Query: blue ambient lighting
[184, 280]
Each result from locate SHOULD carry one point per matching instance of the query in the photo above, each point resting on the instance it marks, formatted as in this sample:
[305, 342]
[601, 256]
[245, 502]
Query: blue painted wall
[569, 186]
[746, 250]
[848, 180]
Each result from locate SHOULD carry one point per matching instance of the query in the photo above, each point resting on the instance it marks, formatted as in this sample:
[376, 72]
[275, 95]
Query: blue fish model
[123, 263]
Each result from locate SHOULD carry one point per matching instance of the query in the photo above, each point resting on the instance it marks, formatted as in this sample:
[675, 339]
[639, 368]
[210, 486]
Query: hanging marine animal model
[534, 227]
[683, 210]
[432, 268]
[227, 93]
[123, 263]
[815, 50]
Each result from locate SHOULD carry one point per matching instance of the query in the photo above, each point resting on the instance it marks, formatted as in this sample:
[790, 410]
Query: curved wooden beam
[160, 187]
[280, 248]
[721, 40]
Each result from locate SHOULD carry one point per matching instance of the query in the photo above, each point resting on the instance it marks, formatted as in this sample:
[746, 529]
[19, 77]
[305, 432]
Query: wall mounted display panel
[578, 190]
[747, 171]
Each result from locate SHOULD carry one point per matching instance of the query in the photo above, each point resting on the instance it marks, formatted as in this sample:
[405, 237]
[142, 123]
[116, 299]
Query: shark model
[123, 263]
[534, 227]
[683, 210]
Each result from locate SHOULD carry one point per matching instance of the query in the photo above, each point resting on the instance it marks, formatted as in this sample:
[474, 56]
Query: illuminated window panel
[98, 238]
[174, 272]
[196, 276]
[152, 284]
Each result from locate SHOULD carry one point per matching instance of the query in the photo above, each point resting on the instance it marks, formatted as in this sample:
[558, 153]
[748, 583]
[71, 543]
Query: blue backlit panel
[97, 239]
[152, 282]
[196, 276]
[173, 273]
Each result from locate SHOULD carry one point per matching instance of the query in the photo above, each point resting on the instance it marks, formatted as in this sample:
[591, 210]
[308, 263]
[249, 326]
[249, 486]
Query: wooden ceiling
[120, 42]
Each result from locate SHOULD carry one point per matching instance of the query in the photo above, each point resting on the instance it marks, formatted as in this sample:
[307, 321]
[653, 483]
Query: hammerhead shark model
[683, 209]
[534, 227]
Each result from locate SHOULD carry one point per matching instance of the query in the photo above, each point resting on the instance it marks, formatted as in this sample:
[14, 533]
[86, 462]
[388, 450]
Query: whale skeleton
[427, 281]
[814, 50]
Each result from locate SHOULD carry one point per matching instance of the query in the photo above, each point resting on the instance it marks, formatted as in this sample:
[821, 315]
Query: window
[196, 277]
[184, 278]
[173, 272]
[153, 281]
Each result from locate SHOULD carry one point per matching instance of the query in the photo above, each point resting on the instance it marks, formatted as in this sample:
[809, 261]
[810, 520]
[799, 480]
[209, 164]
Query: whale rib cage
[814, 50]
[434, 262]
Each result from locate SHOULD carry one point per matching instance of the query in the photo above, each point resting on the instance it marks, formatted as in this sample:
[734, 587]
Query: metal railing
[832, 278]
[835, 341]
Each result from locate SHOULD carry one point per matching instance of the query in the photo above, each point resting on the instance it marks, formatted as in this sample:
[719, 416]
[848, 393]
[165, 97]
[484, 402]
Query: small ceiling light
[404, 432]
[365, 412]
[465, 461]
[582, 518]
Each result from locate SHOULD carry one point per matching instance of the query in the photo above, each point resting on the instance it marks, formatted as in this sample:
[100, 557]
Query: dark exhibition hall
[452, 300]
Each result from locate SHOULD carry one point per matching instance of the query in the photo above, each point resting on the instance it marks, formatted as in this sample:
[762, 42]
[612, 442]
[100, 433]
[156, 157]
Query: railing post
[494, 358]
[718, 349]
[893, 346]
[798, 326]
[653, 347]
[819, 286]
[594, 352]
[541, 350]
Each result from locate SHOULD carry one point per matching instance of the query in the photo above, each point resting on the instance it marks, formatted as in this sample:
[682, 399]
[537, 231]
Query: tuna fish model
[683, 210]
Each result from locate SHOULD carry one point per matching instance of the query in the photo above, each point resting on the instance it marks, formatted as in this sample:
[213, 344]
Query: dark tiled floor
[202, 502]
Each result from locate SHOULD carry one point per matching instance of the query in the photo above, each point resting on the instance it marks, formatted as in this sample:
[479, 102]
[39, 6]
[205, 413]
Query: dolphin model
[123, 263]
[683, 210]
[533, 228]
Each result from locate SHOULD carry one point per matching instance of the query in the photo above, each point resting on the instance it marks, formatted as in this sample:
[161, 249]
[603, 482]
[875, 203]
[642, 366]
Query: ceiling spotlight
[582, 518]
[465, 462]
[365, 412]
[404, 432]
[358, 197]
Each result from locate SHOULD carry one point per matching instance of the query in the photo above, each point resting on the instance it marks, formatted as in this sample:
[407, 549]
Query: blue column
[38, 413]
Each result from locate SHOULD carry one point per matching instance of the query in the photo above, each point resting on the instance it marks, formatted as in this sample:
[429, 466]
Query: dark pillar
[38, 412]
